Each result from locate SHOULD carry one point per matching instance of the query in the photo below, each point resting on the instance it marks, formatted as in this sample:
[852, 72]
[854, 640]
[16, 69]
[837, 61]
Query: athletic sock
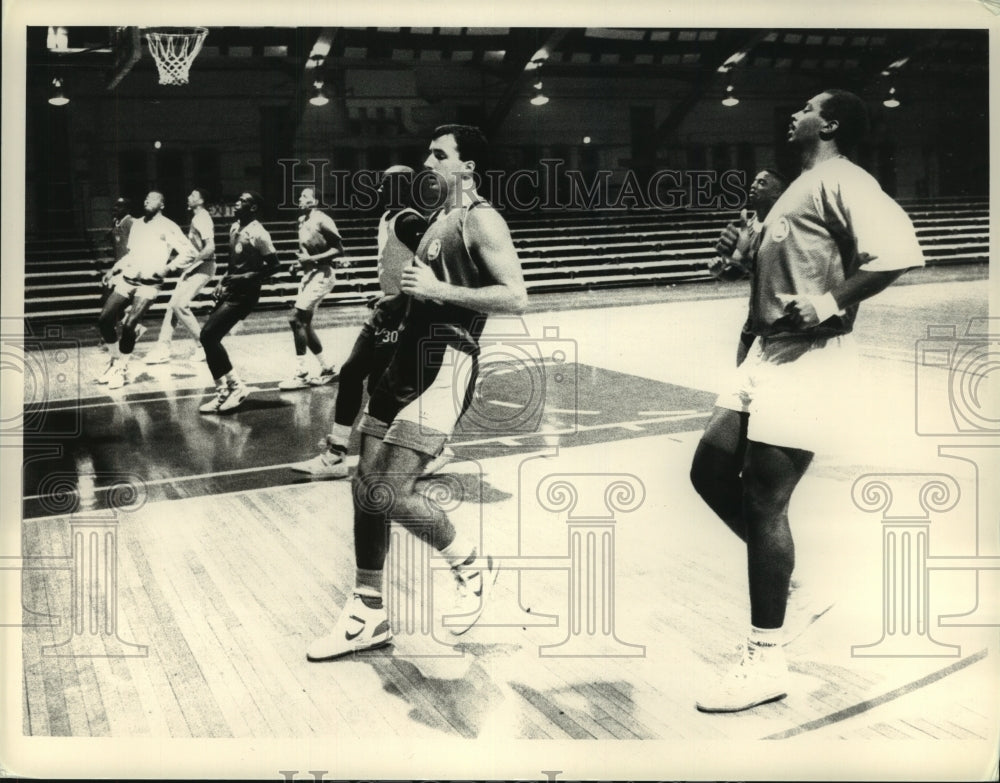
[322, 361]
[369, 582]
[765, 637]
[231, 379]
[114, 350]
[338, 438]
[303, 364]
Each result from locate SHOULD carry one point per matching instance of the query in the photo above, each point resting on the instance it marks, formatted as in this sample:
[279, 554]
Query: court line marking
[193, 477]
[870, 704]
[155, 395]
[508, 440]
[580, 412]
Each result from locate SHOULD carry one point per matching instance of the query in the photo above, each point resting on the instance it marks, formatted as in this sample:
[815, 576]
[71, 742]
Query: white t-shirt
[201, 229]
[150, 244]
[832, 221]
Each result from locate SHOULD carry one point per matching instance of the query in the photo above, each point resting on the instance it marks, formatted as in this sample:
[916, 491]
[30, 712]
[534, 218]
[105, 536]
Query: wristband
[826, 306]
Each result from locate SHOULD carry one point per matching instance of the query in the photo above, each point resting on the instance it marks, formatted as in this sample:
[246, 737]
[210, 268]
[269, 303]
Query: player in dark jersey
[718, 458]
[252, 259]
[121, 226]
[466, 267]
[831, 240]
[399, 232]
[764, 191]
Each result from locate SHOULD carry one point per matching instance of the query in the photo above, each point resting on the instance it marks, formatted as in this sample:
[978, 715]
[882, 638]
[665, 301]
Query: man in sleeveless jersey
[151, 242]
[202, 236]
[465, 268]
[252, 260]
[399, 232]
[831, 240]
[320, 249]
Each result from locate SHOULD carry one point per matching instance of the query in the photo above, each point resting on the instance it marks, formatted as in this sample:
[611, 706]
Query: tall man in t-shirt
[832, 240]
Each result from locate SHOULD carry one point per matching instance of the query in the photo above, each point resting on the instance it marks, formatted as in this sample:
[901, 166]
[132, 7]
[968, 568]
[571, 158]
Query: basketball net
[174, 49]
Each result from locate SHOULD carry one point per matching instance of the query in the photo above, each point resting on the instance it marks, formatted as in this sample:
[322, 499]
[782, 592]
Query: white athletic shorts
[136, 290]
[797, 390]
[316, 284]
[429, 408]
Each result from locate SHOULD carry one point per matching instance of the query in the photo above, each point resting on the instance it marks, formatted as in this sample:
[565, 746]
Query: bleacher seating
[558, 252]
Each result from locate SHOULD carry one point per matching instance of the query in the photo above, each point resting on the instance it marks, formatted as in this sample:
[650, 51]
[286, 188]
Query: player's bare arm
[807, 311]
[115, 270]
[208, 250]
[489, 242]
[187, 254]
[327, 255]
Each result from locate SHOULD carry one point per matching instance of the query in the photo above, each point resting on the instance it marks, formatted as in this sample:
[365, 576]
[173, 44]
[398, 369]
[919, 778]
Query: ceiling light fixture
[730, 98]
[891, 101]
[319, 97]
[539, 99]
[58, 97]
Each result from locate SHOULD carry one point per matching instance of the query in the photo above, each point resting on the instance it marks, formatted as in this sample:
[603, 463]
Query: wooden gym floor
[228, 563]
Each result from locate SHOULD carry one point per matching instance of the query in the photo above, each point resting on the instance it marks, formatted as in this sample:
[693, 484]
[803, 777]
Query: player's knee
[180, 309]
[763, 501]
[108, 329]
[207, 337]
[698, 475]
[106, 320]
[710, 468]
[350, 373]
[375, 493]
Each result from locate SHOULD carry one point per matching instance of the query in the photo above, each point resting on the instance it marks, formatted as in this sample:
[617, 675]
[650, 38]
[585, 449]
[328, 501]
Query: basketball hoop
[174, 49]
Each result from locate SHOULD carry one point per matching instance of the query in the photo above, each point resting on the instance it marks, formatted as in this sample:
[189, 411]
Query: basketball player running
[832, 240]
[399, 232]
[202, 236]
[718, 459]
[764, 191]
[466, 267]
[151, 242]
[252, 259]
[320, 247]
